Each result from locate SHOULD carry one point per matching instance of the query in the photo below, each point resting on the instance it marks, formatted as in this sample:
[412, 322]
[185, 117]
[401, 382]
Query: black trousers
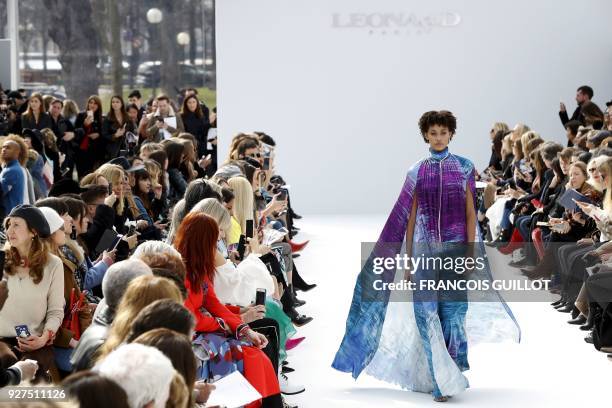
[269, 328]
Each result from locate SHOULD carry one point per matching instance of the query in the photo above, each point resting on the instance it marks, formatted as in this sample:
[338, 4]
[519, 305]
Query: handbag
[71, 320]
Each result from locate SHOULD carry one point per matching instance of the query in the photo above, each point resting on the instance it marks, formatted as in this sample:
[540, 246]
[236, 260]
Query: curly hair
[441, 118]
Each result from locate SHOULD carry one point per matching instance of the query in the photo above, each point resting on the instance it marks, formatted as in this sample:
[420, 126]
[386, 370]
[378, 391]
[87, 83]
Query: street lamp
[155, 16]
[183, 40]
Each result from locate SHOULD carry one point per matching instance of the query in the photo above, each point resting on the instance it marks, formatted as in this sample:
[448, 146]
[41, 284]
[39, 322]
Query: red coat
[258, 369]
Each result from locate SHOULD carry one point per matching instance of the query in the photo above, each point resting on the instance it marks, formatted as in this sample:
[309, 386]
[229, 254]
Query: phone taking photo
[249, 228]
[260, 297]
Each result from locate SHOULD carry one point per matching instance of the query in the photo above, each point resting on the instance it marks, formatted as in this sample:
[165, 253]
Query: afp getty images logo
[395, 23]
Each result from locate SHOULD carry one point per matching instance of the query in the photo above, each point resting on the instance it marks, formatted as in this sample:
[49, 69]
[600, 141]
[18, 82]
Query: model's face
[438, 137]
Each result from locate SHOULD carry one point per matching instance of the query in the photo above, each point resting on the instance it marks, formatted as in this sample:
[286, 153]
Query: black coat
[44, 121]
[197, 127]
[96, 148]
[113, 146]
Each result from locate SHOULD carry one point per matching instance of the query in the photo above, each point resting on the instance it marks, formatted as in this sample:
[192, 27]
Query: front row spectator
[35, 279]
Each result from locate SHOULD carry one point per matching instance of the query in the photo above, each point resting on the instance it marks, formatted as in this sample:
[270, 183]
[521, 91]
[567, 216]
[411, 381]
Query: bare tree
[72, 29]
[115, 47]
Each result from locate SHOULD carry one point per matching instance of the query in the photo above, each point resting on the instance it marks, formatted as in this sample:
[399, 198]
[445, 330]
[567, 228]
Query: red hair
[196, 240]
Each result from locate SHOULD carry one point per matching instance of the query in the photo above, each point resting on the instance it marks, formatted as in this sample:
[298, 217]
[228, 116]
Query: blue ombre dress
[419, 339]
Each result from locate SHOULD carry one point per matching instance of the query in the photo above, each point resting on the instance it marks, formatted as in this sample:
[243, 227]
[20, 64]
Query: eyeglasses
[591, 170]
[255, 155]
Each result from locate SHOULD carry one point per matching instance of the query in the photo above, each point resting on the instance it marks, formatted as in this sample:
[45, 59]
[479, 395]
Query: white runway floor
[551, 367]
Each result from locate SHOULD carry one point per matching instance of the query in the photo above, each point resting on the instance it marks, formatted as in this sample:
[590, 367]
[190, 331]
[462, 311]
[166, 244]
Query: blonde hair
[154, 170]
[141, 292]
[500, 126]
[243, 200]
[526, 138]
[70, 109]
[519, 130]
[214, 208]
[114, 174]
[149, 148]
[179, 392]
[605, 167]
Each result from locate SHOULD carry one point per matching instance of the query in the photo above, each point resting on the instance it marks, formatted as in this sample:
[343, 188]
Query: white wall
[343, 102]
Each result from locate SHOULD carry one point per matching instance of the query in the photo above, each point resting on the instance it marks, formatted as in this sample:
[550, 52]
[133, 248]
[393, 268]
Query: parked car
[149, 75]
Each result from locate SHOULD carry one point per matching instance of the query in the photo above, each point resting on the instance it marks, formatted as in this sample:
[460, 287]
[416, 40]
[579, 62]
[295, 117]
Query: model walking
[422, 344]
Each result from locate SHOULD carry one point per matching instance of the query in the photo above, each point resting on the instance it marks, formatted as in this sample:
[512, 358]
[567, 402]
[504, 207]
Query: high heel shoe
[295, 247]
[566, 309]
[299, 283]
[558, 302]
[589, 324]
[580, 319]
[561, 305]
[290, 344]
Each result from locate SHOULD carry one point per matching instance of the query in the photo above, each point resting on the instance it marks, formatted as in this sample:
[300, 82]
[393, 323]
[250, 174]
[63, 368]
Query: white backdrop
[340, 84]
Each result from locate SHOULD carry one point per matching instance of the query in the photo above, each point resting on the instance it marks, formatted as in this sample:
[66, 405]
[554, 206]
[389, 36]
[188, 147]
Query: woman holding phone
[90, 150]
[35, 279]
[222, 338]
[115, 125]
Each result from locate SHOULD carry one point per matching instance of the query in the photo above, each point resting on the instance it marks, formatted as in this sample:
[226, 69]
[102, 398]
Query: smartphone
[22, 331]
[131, 230]
[241, 247]
[116, 244]
[249, 228]
[260, 297]
[73, 233]
[2, 257]
[110, 188]
[208, 157]
[266, 164]
[90, 114]
[282, 194]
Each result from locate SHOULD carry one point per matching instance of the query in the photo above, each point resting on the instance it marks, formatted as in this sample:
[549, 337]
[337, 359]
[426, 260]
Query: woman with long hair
[115, 126]
[35, 279]
[177, 182]
[90, 146]
[195, 122]
[224, 343]
[35, 117]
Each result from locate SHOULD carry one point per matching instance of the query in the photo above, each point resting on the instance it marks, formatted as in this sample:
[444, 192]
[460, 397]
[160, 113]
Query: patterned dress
[418, 338]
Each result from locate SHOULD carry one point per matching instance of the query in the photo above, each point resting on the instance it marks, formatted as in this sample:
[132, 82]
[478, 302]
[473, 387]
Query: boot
[299, 283]
[516, 240]
[544, 268]
[578, 320]
[295, 247]
[590, 322]
[502, 239]
[289, 309]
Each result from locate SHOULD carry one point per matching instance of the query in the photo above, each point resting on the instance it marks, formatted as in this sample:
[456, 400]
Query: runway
[551, 367]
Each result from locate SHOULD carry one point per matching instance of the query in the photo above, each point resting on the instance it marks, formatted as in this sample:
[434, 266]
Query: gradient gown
[420, 341]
